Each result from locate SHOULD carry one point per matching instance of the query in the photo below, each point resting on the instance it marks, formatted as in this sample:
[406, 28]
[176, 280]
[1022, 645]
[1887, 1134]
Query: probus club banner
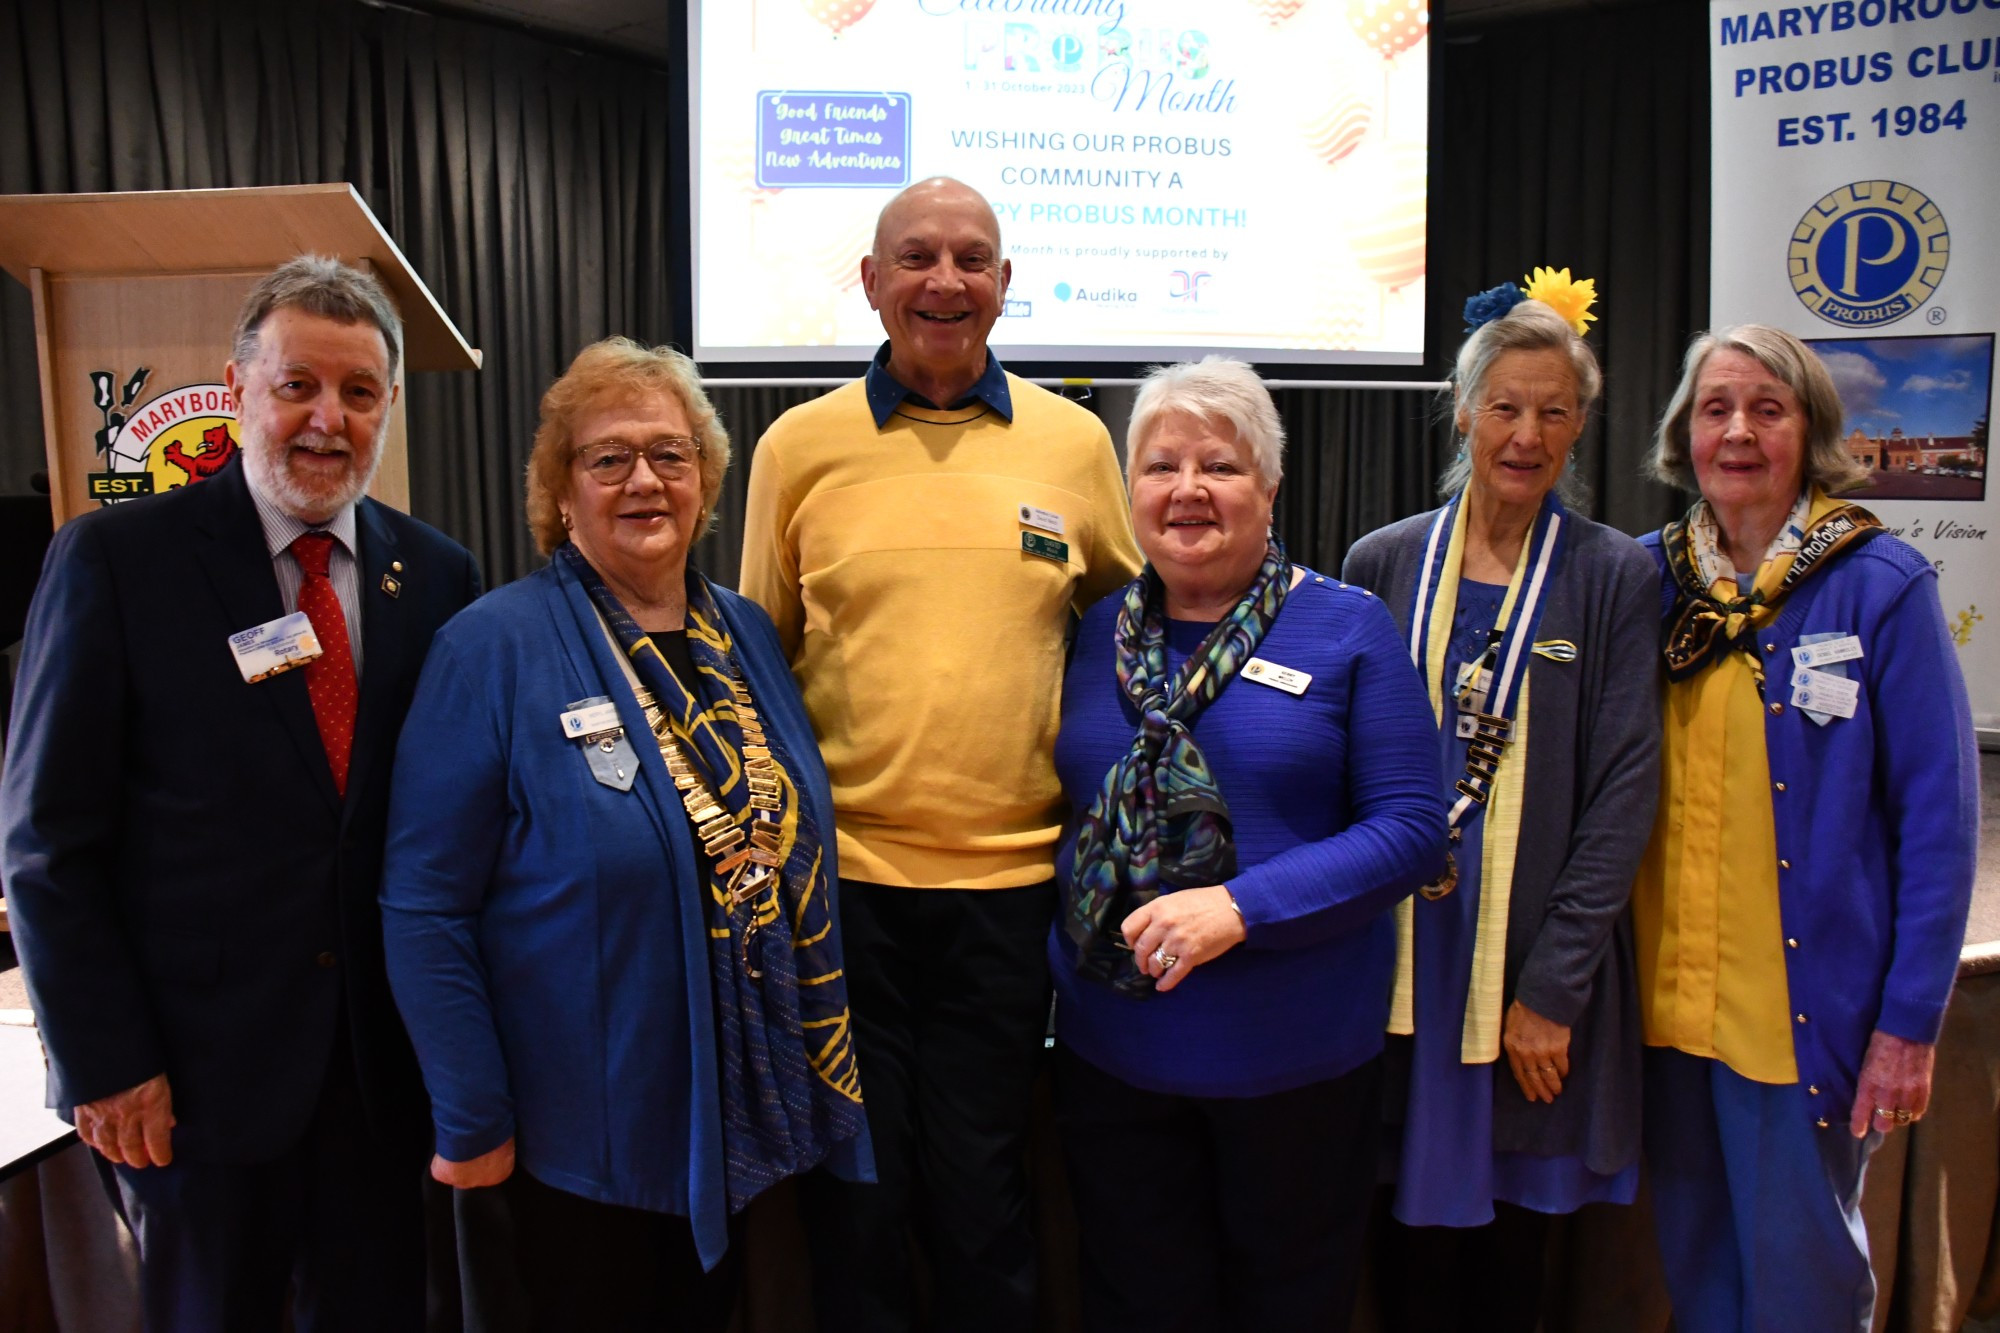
[1856, 186]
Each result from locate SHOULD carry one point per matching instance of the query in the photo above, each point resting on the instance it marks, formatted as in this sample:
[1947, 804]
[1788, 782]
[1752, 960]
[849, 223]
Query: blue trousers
[1758, 1209]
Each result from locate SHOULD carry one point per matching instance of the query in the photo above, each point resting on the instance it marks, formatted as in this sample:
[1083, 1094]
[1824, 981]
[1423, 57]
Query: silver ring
[1164, 959]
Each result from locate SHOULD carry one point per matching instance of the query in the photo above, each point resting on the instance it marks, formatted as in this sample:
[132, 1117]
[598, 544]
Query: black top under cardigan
[1592, 784]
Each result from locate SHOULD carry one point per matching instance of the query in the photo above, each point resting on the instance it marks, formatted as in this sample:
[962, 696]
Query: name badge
[1048, 520]
[1843, 649]
[607, 750]
[1819, 692]
[274, 647]
[1277, 677]
[587, 719]
[1048, 548]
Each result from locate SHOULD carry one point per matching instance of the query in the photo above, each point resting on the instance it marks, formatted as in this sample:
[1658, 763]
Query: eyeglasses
[610, 462]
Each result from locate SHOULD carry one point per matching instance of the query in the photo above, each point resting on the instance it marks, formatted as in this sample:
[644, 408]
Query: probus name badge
[1277, 677]
[274, 647]
[1843, 649]
[587, 718]
[1818, 692]
[1048, 520]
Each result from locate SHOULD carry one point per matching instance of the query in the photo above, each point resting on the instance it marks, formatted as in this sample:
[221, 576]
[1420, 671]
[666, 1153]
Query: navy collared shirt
[885, 392]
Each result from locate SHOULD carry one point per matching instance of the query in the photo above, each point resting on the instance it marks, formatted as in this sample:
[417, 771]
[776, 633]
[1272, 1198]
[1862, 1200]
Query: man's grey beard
[263, 465]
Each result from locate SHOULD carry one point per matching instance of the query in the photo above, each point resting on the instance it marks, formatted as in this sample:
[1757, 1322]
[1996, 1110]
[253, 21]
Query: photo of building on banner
[1856, 203]
[1916, 413]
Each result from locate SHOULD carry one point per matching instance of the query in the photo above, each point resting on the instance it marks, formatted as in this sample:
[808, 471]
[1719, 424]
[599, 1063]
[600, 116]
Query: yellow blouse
[1705, 909]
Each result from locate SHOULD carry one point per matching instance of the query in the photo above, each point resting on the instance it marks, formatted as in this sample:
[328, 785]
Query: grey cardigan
[1592, 783]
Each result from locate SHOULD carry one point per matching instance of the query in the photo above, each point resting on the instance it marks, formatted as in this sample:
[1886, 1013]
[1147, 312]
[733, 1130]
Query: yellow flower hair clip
[1569, 298]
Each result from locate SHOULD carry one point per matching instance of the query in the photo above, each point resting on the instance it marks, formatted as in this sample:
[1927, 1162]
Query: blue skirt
[1446, 1170]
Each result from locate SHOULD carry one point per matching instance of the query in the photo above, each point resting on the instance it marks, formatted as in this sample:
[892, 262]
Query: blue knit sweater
[1877, 815]
[1335, 802]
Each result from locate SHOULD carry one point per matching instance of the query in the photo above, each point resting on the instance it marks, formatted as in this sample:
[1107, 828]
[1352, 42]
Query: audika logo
[1096, 295]
[1869, 253]
[1186, 284]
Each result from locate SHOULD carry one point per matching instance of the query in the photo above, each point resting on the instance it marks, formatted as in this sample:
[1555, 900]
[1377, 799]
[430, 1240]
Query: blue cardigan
[1337, 814]
[1877, 815]
[546, 936]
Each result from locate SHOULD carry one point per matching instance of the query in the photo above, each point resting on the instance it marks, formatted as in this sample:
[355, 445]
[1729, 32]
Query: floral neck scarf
[1159, 821]
[1711, 615]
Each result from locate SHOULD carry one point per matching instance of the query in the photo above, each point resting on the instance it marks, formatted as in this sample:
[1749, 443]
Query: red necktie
[330, 676]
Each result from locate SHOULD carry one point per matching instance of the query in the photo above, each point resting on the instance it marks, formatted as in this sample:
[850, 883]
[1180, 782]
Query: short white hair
[1218, 391]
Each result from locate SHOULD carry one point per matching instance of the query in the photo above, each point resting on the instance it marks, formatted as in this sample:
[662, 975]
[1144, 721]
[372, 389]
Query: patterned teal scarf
[788, 1082]
[1159, 821]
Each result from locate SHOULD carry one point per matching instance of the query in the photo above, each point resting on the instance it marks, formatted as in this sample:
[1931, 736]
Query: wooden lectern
[135, 298]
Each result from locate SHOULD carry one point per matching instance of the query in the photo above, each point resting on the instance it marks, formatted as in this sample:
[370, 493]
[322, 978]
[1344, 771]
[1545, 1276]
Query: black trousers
[598, 1268]
[949, 991]
[339, 1218]
[1465, 1279]
[1207, 1213]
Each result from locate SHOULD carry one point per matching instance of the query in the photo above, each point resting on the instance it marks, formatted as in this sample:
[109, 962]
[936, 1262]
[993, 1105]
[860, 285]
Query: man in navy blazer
[191, 847]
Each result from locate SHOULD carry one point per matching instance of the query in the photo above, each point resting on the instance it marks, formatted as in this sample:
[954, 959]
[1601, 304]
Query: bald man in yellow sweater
[924, 538]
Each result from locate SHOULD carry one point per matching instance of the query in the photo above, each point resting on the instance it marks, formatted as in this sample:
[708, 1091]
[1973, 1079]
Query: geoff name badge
[1277, 677]
[274, 647]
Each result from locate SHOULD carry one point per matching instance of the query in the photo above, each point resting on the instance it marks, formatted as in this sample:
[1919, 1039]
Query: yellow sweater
[927, 642]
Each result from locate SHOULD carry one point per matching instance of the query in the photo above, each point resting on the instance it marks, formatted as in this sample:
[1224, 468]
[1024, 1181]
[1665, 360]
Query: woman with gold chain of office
[608, 896]
[1534, 629]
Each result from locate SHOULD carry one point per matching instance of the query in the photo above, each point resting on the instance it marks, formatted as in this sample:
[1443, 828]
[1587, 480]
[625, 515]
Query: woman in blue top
[608, 896]
[1534, 629]
[1252, 770]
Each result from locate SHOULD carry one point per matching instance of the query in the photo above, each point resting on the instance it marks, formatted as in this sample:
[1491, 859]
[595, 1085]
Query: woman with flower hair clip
[1534, 630]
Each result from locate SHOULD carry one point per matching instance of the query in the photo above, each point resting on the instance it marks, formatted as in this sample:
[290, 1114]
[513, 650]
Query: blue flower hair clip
[1491, 304]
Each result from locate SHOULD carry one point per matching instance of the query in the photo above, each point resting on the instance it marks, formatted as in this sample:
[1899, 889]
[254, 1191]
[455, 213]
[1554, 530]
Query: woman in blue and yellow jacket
[1800, 911]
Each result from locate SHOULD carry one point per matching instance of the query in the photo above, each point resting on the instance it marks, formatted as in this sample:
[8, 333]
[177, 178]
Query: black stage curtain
[1575, 140]
[539, 192]
[1354, 460]
[526, 183]
[746, 412]
[1580, 140]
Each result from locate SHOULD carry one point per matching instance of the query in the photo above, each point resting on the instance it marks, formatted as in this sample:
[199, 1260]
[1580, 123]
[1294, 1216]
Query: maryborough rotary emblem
[1869, 253]
[183, 435]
